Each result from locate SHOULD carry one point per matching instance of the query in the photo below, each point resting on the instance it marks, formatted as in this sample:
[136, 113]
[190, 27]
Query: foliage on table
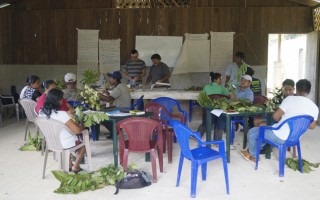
[306, 165]
[273, 103]
[84, 181]
[239, 105]
[90, 118]
[91, 97]
[33, 143]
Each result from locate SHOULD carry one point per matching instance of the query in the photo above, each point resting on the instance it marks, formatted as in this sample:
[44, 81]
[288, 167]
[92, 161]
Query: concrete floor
[21, 172]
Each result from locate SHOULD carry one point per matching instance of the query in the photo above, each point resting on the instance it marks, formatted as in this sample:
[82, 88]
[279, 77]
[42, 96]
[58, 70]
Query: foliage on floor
[84, 181]
[306, 165]
[33, 143]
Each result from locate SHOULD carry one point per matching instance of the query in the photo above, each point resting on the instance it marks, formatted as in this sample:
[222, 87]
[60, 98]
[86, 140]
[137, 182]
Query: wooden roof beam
[310, 3]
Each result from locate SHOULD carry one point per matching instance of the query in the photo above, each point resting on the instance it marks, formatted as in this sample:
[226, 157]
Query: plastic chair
[259, 99]
[298, 126]
[138, 134]
[28, 106]
[139, 104]
[7, 101]
[198, 156]
[162, 115]
[51, 130]
[170, 104]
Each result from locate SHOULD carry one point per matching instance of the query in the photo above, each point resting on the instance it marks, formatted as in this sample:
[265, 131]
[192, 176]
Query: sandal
[77, 171]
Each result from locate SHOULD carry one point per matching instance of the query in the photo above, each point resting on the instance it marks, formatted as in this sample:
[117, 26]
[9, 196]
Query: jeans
[253, 139]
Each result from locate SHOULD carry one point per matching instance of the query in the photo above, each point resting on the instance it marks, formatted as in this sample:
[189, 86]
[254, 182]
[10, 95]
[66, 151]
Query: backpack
[133, 180]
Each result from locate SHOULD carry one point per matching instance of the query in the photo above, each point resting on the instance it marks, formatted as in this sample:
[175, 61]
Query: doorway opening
[286, 59]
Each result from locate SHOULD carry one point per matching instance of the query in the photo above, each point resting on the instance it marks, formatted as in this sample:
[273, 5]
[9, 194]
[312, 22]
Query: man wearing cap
[70, 93]
[120, 95]
[244, 91]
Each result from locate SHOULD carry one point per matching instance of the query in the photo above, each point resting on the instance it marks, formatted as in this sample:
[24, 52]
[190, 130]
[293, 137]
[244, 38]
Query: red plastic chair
[138, 134]
[162, 115]
[259, 99]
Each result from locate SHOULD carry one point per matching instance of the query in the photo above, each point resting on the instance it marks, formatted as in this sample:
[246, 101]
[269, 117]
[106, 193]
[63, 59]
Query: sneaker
[245, 154]
[253, 159]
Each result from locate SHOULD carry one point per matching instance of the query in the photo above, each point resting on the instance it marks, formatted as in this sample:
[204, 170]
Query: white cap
[247, 77]
[70, 78]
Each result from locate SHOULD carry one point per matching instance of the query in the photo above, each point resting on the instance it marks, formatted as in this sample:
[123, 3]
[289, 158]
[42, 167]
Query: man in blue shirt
[244, 91]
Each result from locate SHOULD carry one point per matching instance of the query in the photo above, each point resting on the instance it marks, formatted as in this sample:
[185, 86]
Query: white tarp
[194, 55]
[168, 47]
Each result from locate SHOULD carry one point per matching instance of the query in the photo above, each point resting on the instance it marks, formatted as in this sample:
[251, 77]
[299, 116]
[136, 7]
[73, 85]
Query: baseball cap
[247, 77]
[115, 75]
[70, 77]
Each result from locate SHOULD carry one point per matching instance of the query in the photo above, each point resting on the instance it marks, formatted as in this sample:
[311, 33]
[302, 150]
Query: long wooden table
[163, 92]
[245, 115]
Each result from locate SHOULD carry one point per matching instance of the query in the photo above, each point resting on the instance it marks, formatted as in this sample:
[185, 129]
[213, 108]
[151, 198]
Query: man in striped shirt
[135, 69]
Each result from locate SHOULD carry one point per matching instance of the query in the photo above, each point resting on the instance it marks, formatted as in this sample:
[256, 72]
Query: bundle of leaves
[90, 77]
[273, 103]
[306, 165]
[75, 183]
[33, 144]
[61, 84]
[90, 97]
[240, 105]
[90, 117]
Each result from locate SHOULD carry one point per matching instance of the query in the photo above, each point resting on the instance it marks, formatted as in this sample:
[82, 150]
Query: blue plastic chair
[139, 104]
[192, 103]
[298, 126]
[198, 156]
[170, 104]
[258, 99]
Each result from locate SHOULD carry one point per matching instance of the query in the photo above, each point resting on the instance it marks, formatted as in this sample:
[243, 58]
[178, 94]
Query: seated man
[291, 106]
[243, 92]
[255, 84]
[120, 95]
[70, 93]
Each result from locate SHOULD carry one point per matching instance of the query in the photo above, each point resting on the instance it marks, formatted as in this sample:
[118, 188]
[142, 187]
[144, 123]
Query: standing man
[135, 69]
[291, 106]
[159, 71]
[235, 71]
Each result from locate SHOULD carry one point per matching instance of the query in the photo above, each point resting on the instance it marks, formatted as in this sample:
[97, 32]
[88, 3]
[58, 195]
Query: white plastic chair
[29, 108]
[51, 130]
[12, 104]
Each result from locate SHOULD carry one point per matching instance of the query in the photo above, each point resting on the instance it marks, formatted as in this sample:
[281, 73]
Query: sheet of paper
[109, 55]
[217, 112]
